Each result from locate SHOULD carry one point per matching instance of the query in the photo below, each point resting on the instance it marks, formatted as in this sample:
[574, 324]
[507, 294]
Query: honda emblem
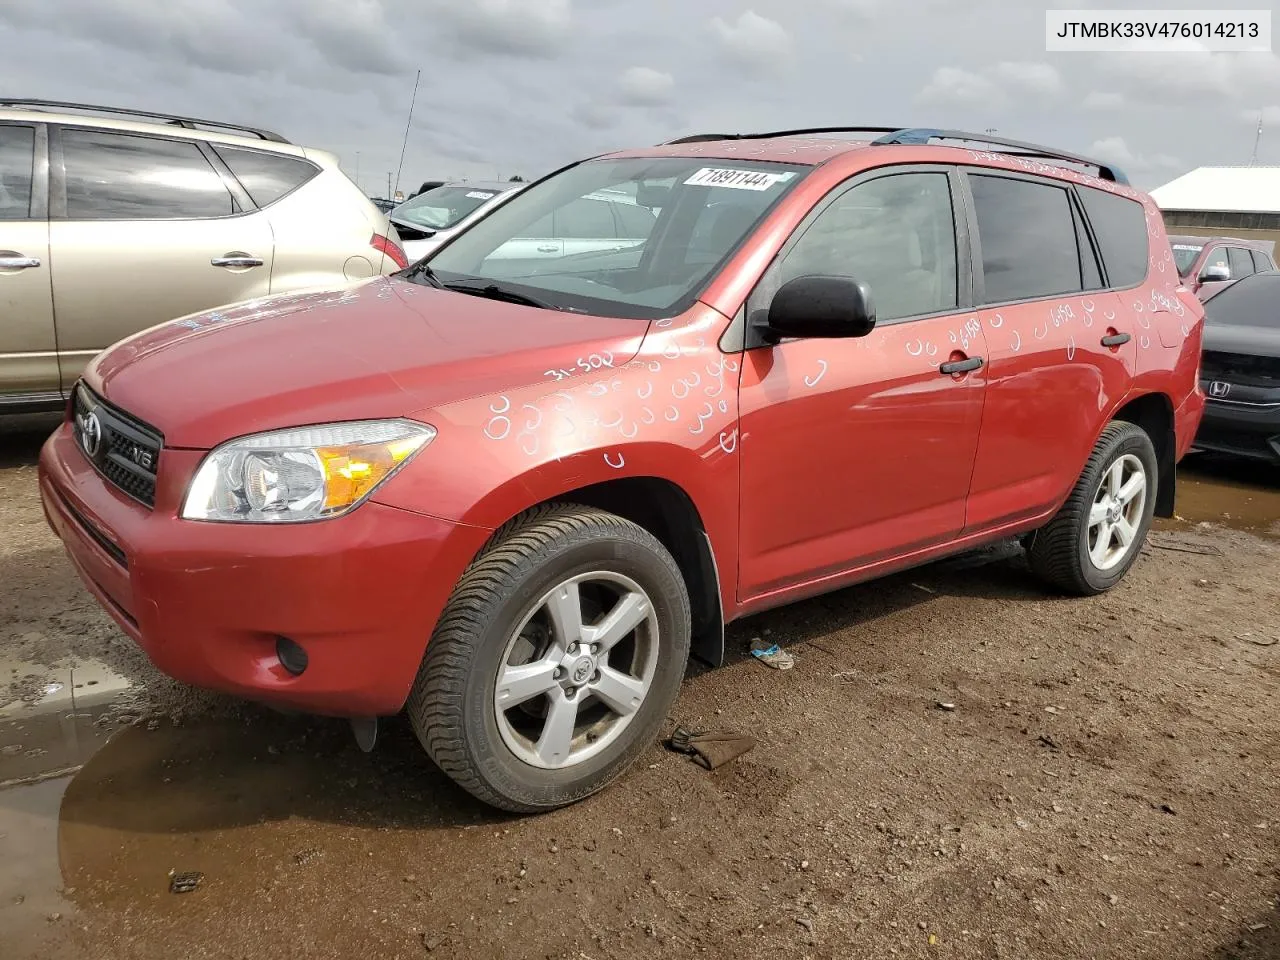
[1219, 389]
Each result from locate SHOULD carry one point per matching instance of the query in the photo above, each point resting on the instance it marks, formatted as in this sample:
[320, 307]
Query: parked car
[98, 204]
[427, 185]
[1209, 264]
[433, 216]
[1240, 370]
[515, 505]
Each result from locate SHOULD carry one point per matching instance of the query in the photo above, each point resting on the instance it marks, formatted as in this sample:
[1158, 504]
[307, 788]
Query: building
[1242, 202]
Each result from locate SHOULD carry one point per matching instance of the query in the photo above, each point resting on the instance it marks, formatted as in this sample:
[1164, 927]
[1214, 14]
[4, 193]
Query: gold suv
[112, 221]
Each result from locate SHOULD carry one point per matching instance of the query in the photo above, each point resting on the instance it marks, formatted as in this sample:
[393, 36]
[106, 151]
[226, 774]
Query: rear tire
[1091, 542]
[530, 706]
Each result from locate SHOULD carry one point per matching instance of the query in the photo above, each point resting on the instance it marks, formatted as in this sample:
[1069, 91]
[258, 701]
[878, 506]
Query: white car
[433, 216]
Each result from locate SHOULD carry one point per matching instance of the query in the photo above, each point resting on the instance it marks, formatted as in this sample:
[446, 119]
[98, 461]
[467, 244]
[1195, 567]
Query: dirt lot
[1105, 786]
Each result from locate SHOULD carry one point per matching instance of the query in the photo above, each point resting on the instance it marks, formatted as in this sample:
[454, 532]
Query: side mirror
[825, 307]
[1215, 272]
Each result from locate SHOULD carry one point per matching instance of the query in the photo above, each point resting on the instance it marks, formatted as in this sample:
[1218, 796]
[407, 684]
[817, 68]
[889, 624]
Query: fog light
[292, 657]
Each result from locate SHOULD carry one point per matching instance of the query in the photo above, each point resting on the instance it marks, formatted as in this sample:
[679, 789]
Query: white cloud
[1036, 76]
[754, 41]
[646, 87]
[953, 86]
[1103, 100]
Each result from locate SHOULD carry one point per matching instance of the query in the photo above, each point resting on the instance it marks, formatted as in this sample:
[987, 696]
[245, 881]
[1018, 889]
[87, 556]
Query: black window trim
[741, 335]
[38, 206]
[1095, 248]
[58, 177]
[221, 164]
[979, 280]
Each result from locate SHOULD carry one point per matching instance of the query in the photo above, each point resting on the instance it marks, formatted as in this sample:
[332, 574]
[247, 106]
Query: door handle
[960, 366]
[1116, 339]
[237, 260]
[16, 261]
[548, 249]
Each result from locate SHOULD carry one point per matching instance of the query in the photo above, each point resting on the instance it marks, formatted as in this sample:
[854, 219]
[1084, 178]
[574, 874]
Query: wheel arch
[1153, 413]
[668, 511]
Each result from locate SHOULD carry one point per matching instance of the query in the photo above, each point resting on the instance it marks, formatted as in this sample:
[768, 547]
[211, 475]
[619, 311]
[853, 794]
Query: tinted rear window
[266, 177]
[1261, 261]
[1241, 262]
[1250, 303]
[1120, 226]
[1028, 239]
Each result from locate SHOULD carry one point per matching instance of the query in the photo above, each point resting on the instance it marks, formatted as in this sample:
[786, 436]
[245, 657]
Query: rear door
[28, 350]
[1060, 346]
[144, 229]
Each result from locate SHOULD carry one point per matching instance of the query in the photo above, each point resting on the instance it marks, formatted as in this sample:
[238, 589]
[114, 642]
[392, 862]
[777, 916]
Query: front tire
[556, 660]
[1091, 543]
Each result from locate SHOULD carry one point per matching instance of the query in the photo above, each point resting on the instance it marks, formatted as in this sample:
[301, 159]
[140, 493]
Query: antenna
[407, 125]
[1256, 140]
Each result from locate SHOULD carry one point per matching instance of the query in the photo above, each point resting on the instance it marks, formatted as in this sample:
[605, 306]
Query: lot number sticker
[736, 179]
[480, 195]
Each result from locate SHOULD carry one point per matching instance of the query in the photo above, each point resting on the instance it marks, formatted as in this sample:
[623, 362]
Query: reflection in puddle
[1240, 494]
[48, 729]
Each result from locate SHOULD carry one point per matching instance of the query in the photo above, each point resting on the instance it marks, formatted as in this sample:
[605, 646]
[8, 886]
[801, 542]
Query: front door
[28, 351]
[145, 229]
[855, 451]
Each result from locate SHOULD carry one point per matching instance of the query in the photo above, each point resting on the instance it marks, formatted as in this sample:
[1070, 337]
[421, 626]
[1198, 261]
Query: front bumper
[208, 601]
[1241, 429]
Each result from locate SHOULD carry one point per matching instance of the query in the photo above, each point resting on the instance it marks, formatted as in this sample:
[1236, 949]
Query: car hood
[384, 348]
[1233, 338]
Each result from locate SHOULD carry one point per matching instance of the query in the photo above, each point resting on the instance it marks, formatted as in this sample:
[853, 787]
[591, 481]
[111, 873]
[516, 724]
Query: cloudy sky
[521, 86]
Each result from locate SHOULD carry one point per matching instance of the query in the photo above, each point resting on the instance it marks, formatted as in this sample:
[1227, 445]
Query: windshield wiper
[420, 269]
[494, 291]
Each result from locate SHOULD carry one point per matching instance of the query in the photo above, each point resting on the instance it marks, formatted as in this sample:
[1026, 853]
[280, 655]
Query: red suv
[513, 495]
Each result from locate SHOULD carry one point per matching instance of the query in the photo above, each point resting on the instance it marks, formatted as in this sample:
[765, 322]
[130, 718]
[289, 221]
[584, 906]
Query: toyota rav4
[513, 497]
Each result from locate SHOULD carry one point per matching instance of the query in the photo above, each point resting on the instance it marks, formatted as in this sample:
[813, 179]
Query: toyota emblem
[1219, 389]
[90, 433]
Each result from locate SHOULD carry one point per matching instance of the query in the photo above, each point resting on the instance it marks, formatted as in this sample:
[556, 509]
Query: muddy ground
[1107, 784]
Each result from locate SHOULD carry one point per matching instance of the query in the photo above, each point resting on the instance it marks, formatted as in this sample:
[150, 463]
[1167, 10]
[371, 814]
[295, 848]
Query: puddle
[1239, 494]
[48, 730]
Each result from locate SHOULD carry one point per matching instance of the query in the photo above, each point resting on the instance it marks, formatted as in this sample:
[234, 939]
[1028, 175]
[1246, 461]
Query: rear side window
[1241, 262]
[266, 177]
[1120, 225]
[1028, 239]
[1261, 262]
[113, 176]
[17, 148]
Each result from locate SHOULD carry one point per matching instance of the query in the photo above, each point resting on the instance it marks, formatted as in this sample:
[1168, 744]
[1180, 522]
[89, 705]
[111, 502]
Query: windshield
[1184, 255]
[444, 206]
[624, 238]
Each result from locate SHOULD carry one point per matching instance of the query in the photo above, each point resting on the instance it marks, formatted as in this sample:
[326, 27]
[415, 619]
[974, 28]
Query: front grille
[122, 448]
[1242, 368]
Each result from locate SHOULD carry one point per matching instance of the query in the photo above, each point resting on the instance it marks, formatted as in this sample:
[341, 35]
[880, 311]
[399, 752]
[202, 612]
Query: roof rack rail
[921, 135]
[705, 137]
[190, 123]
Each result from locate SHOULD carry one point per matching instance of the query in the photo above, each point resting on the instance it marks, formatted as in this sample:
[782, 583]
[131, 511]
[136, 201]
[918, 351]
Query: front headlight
[308, 473]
